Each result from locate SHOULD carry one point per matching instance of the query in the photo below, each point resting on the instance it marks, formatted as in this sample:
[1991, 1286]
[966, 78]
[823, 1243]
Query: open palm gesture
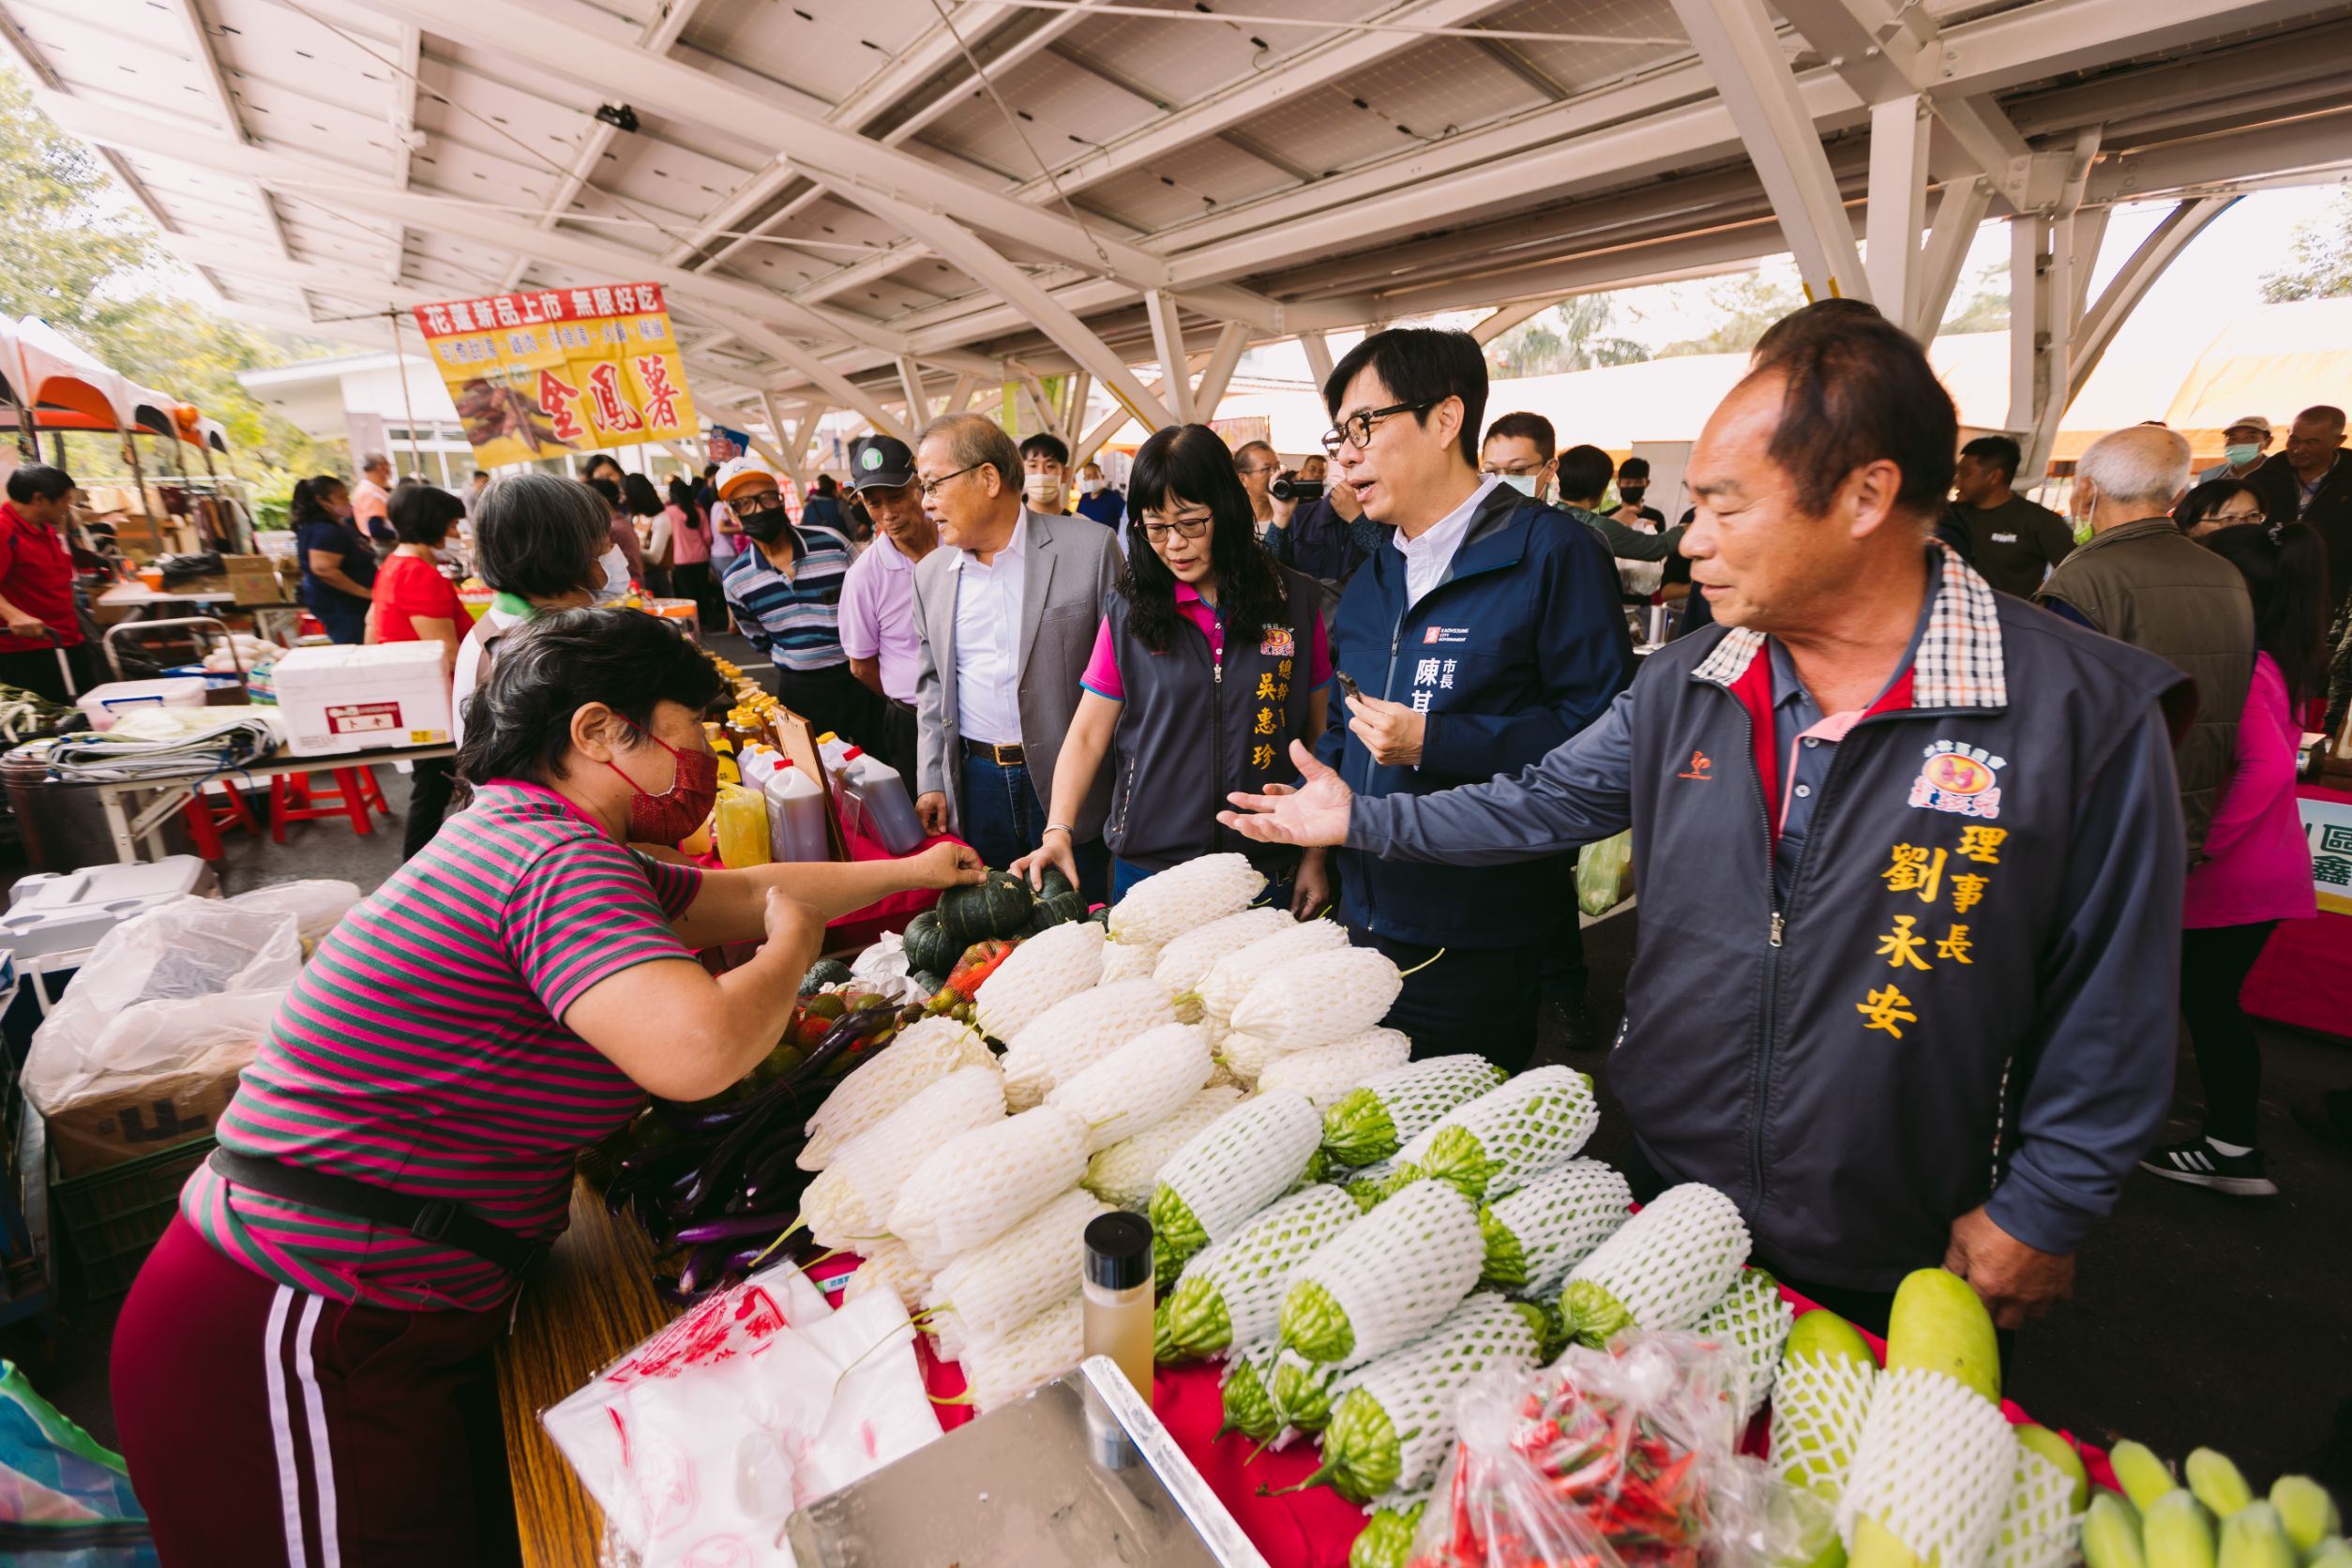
[1314, 813]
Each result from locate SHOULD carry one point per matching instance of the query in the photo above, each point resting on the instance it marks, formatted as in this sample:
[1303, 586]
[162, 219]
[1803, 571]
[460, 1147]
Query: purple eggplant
[849, 1031]
[734, 1228]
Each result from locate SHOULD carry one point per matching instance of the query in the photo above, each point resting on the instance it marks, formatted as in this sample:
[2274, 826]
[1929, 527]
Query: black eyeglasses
[1356, 429]
[1183, 528]
[931, 487]
[756, 503]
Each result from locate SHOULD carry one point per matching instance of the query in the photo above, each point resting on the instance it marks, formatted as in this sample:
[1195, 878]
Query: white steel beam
[1233, 340]
[408, 54]
[1503, 318]
[1319, 363]
[910, 380]
[1083, 450]
[196, 35]
[1899, 203]
[668, 24]
[1959, 211]
[1736, 40]
[1168, 343]
[843, 391]
[235, 260]
[1080, 390]
[960, 246]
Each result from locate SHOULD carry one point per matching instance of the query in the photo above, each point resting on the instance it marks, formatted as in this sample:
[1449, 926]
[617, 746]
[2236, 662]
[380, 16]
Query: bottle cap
[1119, 1251]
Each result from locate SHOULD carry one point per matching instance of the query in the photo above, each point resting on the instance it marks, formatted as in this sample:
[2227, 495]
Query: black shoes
[2199, 1164]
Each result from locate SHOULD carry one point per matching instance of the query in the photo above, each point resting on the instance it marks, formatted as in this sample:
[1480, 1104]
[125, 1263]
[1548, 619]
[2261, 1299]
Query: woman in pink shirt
[2257, 866]
[690, 554]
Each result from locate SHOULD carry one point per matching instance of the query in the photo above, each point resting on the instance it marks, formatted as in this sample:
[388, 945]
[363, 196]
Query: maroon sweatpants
[267, 1427]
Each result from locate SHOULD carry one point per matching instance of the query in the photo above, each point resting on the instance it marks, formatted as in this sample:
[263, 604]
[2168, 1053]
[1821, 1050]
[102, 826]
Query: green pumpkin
[824, 971]
[1059, 909]
[1053, 884]
[928, 984]
[998, 907]
[929, 947]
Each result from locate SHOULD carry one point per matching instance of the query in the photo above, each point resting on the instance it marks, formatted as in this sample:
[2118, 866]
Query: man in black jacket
[2309, 481]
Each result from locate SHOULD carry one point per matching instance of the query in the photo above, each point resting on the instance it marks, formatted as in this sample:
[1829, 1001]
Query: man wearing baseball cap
[878, 596]
[2249, 440]
[785, 589]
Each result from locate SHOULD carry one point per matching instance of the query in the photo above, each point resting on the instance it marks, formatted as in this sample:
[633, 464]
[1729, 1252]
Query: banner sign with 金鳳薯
[534, 374]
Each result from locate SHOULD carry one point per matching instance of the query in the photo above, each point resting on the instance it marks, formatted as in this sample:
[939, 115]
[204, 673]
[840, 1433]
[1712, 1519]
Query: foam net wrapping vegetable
[1125, 1174]
[1158, 909]
[1231, 1294]
[1327, 1074]
[1541, 1231]
[1388, 1279]
[926, 1050]
[1052, 966]
[1230, 978]
[1321, 998]
[1123, 960]
[1752, 1322]
[1662, 1269]
[1186, 961]
[1045, 1347]
[1239, 1164]
[1617, 1458]
[1077, 1032]
[1395, 1425]
[1390, 1110]
[997, 1287]
[890, 1267]
[1138, 1085]
[1513, 1132]
[850, 1199]
[1936, 1466]
[2039, 1528]
[974, 1189]
[1819, 1404]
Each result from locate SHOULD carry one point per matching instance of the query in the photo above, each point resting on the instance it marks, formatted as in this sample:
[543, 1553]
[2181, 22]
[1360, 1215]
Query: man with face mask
[1045, 475]
[1633, 483]
[1098, 499]
[2248, 442]
[877, 595]
[1583, 473]
[785, 589]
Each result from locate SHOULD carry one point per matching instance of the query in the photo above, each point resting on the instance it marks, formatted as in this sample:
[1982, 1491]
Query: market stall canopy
[877, 205]
[2281, 359]
[12, 388]
[59, 374]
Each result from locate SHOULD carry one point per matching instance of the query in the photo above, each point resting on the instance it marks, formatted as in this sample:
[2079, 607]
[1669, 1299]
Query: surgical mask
[616, 577]
[1631, 494]
[670, 817]
[1045, 492]
[2241, 454]
[1091, 487]
[767, 527]
[1524, 483]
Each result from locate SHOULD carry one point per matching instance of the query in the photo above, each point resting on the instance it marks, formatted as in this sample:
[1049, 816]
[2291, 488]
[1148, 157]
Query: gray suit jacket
[1071, 564]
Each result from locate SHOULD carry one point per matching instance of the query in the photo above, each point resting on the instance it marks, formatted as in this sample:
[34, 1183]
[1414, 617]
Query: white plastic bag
[316, 905]
[190, 949]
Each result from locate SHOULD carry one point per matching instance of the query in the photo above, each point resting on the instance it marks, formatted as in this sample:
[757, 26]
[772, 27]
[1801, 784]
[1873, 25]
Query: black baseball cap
[879, 460]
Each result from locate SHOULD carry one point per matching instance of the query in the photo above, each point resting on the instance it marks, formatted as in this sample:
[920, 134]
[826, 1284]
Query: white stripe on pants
[282, 1427]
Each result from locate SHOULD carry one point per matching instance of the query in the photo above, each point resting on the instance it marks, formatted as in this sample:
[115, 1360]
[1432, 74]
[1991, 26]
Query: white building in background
[400, 408]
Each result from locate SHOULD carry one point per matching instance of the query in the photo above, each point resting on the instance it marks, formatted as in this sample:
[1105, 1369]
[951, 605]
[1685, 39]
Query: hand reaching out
[1315, 813]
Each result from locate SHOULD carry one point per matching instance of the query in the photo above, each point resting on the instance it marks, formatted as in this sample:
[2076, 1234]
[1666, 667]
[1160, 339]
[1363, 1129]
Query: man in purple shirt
[878, 594]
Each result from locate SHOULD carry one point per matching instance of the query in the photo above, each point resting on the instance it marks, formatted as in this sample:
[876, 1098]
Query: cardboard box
[102, 1133]
[254, 578]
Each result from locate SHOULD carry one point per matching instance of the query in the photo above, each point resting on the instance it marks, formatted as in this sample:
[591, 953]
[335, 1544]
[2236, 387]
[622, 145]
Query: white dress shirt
[1427, 557]
[989, 641]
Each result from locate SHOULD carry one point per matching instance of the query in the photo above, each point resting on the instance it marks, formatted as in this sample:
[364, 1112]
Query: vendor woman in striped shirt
[302, 1372]
[785, 589]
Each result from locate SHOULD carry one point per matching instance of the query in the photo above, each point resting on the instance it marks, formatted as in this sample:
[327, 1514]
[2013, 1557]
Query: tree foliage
[87, 261]
[2319, 262]
[1570, 336]
[1746, 304]
[1982, 304]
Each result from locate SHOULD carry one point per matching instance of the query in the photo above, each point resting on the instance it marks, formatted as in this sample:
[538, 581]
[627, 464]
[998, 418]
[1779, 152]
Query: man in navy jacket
[1908, 851]
[1483, 633]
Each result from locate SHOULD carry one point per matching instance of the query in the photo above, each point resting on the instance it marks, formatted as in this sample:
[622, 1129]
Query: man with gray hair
[2141, 580]
[1006, 616]
[2310, 482]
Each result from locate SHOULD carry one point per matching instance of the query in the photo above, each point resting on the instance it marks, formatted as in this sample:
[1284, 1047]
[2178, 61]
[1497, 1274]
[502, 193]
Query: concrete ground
[2198, 1319]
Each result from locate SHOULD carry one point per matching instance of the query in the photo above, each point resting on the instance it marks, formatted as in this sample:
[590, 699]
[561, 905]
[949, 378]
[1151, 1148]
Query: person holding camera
[1319, 529]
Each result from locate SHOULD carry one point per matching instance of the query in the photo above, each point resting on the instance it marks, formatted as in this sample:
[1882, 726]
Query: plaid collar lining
[1959, 665]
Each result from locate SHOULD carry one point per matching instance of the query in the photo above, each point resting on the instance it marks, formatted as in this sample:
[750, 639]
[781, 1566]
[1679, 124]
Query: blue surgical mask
[1524, 483]
[2241, 454]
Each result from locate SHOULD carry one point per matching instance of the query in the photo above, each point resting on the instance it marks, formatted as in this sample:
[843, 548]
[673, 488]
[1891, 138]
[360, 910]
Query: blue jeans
[1000, 816]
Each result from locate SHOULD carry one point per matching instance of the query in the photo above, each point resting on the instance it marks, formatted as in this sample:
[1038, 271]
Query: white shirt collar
[1444, 537]
[1014, 547]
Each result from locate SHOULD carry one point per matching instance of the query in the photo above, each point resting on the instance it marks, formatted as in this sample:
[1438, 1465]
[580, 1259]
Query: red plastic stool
[208, 814]
[302, 798]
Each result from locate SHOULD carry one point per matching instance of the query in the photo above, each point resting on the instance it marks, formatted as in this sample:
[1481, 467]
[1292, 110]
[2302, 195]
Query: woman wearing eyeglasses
[785, 589]
[1211, 661]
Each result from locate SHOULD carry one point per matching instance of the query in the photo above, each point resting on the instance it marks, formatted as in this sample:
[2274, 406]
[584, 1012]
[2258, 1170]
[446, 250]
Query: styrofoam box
[346, 697]
[66, 911]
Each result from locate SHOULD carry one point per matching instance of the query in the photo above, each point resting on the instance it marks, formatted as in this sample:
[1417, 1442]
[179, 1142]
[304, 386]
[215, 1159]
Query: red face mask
[669, 818]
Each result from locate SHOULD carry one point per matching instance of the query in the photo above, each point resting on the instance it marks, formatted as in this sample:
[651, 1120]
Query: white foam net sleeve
[1819, 1404]
[1936, 1466]
[2039, 1528]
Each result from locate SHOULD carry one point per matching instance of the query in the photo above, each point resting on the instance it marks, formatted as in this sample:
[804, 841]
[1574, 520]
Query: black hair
[518, 722]
[537, 536]
[1856, 388]
[481, 474]
[1241, 453]
[604, 459]
[825, 486]
[1421, 365]
[2205, 499]
[639, 495]
[1044, 445]
[1633, 468]
[1999, 450]
[606, 488]
[1523, 426]
[424, 513]
[40, 481]
[1190, 463]
[709, 469]
[2286, 576]
[1585, 473]
[308, 503]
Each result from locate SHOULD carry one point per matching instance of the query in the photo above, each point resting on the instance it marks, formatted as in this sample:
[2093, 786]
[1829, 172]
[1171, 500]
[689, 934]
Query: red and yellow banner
[560, 369]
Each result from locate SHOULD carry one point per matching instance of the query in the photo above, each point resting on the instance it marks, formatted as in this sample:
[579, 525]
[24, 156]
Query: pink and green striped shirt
[421, 1051]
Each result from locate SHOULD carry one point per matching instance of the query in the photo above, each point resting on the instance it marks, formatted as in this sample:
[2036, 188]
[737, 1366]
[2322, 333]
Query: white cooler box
[343, 698]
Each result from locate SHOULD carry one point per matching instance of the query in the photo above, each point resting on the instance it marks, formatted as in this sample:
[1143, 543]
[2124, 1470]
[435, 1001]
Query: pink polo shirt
[876, 614]
[1102, 668]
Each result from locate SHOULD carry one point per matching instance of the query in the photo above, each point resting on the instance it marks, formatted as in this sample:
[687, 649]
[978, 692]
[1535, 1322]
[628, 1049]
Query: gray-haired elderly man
[1006, 616]
[2141, 580]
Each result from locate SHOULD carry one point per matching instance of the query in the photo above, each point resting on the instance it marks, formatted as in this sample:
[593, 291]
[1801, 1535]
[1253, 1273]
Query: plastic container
[832, 751]
[111, 1219]
[757, 763]
[67, 912]
[103, 705]
[1117, 1288]
[797, 816]
[882, 802]
[346, 698]
[741, 826]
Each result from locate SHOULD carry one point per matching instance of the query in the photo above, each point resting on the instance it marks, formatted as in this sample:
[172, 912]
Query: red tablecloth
[2304, 975]
[1315, 1528]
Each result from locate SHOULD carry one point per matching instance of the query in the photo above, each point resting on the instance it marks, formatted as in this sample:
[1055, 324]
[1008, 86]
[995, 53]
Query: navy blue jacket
[1518, 646]
[1967, 992]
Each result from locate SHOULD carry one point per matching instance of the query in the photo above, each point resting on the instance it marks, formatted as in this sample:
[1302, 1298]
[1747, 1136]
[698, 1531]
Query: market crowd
[1952, 807]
